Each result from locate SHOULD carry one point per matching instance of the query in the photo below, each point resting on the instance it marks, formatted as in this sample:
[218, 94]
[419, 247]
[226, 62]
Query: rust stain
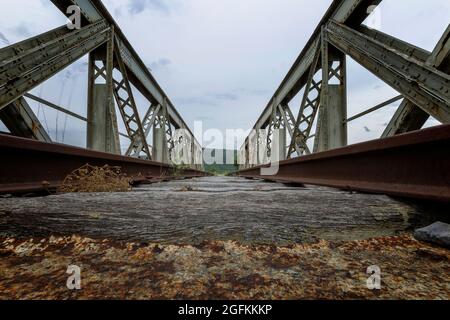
[36, 269]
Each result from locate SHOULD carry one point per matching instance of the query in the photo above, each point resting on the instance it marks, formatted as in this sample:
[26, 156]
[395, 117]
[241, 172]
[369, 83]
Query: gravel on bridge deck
[218, 238]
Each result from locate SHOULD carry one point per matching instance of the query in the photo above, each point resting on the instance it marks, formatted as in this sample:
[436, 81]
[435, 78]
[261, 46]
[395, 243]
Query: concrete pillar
[262, 147]
[332, 131]
[278, 145]
[336, 113]
[199, 157]
[253, 149]
[160, 145]
[187, 156]
[100, 128]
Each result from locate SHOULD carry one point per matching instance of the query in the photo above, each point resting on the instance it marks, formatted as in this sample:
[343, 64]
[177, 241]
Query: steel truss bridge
[407, 160]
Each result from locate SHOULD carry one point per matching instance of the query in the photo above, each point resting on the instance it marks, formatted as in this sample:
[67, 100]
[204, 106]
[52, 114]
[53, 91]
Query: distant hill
[223, 167]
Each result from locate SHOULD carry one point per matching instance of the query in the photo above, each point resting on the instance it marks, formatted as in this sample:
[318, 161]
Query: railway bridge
[308, 148]
[302, 216]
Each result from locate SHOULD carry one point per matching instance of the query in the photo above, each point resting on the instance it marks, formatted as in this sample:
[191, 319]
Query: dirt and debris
[96, 179]
[36, 269]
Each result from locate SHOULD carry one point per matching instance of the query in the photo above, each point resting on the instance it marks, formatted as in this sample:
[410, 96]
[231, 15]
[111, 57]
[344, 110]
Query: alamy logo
[374, 281]
[74, 281]
[75, 18]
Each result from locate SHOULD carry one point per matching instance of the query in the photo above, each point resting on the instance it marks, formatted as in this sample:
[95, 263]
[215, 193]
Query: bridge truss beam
[114, 67]
[422, 82]
[138, 73]
[21, 121]
[408, 116]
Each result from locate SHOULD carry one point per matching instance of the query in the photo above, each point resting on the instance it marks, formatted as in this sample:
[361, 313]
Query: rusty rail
[413, 165]
[29, 166]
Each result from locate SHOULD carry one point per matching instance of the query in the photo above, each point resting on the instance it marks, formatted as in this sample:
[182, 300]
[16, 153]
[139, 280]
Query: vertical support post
[321, 140]
[262, 147]
[160, 150]
[253, 148]
[278, 145]
[337, 106]
[160, 145]
[165, 123]
[246, 155]
[308, 110]
[102, 130]
[91, 110]
[193, 154]
[112, 130]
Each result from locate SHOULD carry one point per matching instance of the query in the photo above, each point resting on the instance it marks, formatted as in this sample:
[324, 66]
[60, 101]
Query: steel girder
[331, 130]
[377, 107]
[289, 122]
[421, 84]
[307, 113]
[164, 122]
[407, 68]
[408, 116]
[106, 137]
[282, 117]
[32, 64]
[56, 107]
[128, 109]
[350, 12]
[412, 165]
[137, 71]
[21, 121]
[275, 123]
[25, 65]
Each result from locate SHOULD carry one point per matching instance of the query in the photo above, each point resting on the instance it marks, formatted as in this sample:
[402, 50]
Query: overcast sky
[220, 61]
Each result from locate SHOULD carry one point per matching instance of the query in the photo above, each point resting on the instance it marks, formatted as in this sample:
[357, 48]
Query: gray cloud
[138, 6]
[210, 99]
[22, 30]
[253, 92]
[224, 96]
[4, 39]
[196, 101]
[161, 63]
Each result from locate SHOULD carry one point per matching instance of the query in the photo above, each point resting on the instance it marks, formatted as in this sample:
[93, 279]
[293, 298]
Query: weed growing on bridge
[96, 179]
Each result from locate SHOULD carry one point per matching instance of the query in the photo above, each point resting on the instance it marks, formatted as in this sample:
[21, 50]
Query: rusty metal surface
[414, 165]
[29, 165]
[35, 268]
